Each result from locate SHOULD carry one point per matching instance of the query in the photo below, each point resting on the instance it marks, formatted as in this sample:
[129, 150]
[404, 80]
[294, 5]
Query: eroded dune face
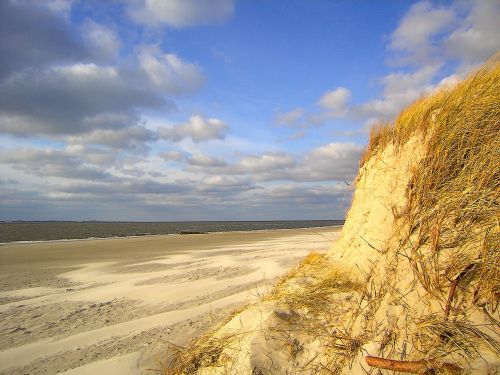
[412, 283]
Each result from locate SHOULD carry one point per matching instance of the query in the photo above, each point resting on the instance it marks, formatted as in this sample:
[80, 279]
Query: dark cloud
[144, 198]
[54, 163]
[127, 187]
[202, 160]
[133, 137]
[32, 35]
[70, 100]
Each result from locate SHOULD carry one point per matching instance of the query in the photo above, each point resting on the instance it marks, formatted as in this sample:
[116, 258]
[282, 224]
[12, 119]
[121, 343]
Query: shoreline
[160, 235]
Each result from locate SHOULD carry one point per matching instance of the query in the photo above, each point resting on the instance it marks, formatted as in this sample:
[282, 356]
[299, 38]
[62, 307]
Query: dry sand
[110, 306]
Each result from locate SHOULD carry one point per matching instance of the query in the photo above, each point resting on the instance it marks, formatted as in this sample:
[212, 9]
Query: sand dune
[110, 306]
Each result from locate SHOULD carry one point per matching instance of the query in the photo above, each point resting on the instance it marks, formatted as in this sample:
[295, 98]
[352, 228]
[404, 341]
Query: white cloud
[226, 181]
[132, 137]
[335, 101]
[449, 81]
[203, 160]
[414, 34]
[50, 162]
[180, 13]
[424, 43]
[478, 37]
[198, 129]
[103, 41]
[90, 71]
[334, 161]
[291, 118]
[468, 31]
[427, 36]
[172, 155]
[59, 7]
[169, 72]
[264, 163]
[400, 89]
[91, 154]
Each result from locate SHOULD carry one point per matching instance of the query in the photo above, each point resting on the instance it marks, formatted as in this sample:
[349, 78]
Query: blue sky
[212, 109]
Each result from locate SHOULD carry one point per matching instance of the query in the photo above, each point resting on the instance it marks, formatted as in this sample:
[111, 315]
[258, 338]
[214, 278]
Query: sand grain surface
[110, 306]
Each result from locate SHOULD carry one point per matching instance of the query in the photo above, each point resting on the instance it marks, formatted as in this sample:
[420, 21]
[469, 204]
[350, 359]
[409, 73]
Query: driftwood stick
[414, 367]
[424, 366]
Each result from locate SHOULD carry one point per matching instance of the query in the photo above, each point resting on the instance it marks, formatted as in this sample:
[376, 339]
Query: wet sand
[112, 305]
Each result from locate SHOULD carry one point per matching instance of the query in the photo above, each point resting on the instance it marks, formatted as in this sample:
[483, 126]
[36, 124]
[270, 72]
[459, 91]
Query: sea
[30, 231]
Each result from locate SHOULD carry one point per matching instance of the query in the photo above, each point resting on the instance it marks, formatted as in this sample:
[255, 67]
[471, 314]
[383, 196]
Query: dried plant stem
[453, 288]
[450, 298]
[413, 367]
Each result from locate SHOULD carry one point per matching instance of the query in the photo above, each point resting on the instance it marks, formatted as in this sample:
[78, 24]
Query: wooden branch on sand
[424, 366]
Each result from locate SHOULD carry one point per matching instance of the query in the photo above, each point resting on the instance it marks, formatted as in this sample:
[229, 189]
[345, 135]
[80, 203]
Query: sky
[144, 110]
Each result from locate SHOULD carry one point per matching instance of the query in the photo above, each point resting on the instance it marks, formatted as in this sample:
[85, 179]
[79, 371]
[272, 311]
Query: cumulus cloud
[59, 6]
[126, 187]
[426, 38]
[31, 34]
[307, 195]
[92, 154]
[72, 84]
[291, 118]
[88, 94]
[334, 161]
[429, 39]
[172, 155]
[414, 34]
[103, 42]
[198, 129]
[399, 89]
[59, 79]
[429, 34]
[300, 120]
[71, 99]
[478, 37]
[331, 162]
[264, 163]
[180, 13]
[234, 184]
[203, 160]
[169, 72]
[335, 101]
[260, 166]
[51, 162]
[132, 137]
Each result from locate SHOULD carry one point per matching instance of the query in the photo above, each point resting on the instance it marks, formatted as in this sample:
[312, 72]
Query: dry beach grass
[413, 283]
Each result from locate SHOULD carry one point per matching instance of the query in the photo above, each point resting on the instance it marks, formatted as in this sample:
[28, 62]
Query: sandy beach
[113, 305]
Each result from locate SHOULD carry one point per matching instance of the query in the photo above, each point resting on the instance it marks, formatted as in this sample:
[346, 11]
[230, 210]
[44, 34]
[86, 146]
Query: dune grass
[454, 192]
[452, 218]
[449, 234]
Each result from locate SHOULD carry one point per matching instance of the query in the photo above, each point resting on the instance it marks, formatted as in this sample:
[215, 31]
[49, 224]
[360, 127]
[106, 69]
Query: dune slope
[412, 285]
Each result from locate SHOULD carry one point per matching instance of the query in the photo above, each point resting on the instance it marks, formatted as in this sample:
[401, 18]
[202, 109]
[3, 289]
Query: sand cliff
[412, 283]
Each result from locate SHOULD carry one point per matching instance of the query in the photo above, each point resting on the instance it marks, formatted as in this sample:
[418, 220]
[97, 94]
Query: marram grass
[449, 233]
